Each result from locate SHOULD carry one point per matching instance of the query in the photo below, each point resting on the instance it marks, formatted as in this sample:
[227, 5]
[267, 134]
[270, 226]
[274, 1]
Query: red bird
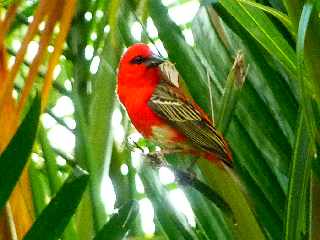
[162, 111]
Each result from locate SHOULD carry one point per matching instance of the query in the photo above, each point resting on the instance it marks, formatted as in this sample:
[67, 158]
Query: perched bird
[162, 111]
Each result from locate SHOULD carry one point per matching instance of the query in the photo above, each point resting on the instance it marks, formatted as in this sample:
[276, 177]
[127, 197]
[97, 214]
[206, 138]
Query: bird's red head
[138, 66]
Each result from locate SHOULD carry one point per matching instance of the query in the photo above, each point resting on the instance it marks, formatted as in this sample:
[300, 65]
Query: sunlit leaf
[297, 214]
[263, 30]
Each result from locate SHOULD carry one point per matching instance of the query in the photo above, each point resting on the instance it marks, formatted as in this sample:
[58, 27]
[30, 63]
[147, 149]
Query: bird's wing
[170, 103]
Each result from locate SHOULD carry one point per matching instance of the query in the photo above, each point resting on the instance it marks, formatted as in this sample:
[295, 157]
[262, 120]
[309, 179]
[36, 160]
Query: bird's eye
[138, 60]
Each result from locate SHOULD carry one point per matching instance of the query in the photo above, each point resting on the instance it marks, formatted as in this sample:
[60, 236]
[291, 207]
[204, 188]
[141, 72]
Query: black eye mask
[137, 60]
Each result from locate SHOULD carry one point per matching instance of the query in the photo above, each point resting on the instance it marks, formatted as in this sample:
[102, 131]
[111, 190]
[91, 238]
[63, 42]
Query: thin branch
[59, 120]
[69, 159]
[144, 30]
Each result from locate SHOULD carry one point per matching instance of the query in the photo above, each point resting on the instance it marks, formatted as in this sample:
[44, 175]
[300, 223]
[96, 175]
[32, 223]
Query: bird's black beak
[154, 61]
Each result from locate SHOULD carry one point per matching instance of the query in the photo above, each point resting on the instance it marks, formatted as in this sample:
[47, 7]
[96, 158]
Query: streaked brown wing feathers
[169, 102]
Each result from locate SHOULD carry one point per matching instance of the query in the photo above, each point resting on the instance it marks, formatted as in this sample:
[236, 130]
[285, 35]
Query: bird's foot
[156, 159]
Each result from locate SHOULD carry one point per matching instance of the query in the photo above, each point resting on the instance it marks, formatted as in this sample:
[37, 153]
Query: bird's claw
[156, 159]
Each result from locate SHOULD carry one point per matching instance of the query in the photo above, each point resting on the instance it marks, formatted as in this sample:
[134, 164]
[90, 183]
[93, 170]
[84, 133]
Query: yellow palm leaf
[51, 13]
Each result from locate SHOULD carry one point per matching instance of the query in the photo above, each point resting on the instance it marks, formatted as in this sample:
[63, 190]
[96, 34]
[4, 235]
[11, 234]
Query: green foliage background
[271, 124]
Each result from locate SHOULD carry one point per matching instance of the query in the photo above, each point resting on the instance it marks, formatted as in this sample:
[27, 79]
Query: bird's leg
[183, 177]
[156, 159]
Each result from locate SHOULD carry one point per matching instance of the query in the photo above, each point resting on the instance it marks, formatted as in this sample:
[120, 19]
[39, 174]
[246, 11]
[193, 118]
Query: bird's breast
[144, 119]
[149, 124]
[140, 114]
